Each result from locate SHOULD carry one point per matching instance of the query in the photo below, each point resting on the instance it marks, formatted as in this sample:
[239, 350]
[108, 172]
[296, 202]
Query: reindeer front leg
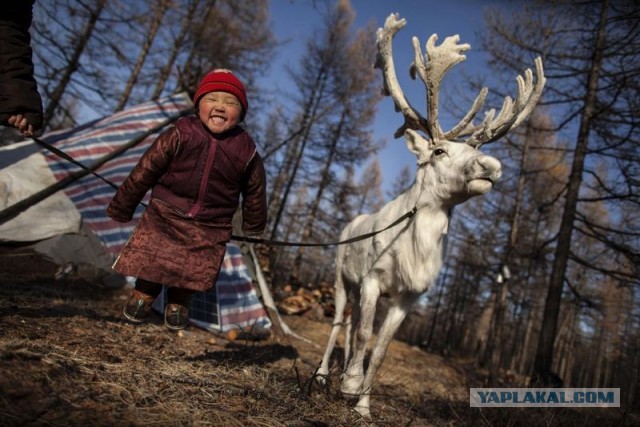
[338, 321]
[361, 331]
[396, 314]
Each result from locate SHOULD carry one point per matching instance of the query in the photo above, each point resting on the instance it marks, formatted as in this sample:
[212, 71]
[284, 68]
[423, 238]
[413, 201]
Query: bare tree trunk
[563, 342]
[315, 205]
[511, 348]
[434, 320]
[483, 328]
[585, 369]
[544, 353]
[524, 352]
[165, 72]
[463, 315]
[567, 375]
[452, 302]
[495, 338]
[74, 61]
[454, 333]
[151, 35]
[635, 379]
[308, 121]
[494, 343]
[189, 77]
[607, 368]
[281, 178]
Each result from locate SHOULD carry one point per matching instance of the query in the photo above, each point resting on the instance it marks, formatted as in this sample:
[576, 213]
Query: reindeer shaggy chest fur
[419, 242]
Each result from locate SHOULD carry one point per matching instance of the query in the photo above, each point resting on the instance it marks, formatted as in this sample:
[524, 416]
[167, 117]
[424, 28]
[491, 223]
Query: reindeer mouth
[479, 186]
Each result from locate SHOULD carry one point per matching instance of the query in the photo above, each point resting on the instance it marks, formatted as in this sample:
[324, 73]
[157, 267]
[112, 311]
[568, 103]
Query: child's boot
[176, 314]
[138, 306]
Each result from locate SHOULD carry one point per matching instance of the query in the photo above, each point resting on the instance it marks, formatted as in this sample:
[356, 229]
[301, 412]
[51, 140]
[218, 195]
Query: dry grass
[68, 358]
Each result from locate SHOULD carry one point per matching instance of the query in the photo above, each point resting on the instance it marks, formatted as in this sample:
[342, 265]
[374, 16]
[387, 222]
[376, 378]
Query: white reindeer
[403, 261]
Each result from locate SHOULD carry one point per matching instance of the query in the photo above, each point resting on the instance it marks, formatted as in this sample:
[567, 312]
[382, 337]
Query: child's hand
[21, 123]
[116, 215]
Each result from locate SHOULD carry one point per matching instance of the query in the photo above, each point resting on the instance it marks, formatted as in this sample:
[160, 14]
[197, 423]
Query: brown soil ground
[67, 357]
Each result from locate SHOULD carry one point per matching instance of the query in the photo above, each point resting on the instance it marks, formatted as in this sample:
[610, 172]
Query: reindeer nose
[491, 166]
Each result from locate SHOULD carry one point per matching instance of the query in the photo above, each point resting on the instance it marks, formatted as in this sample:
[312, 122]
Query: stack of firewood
[303, 300]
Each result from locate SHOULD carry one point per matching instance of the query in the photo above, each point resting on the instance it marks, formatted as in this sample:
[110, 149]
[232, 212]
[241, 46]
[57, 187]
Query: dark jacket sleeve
[18, 88]
[254, 198]
[151, 166]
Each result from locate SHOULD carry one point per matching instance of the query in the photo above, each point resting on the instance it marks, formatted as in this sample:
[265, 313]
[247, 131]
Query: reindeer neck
[424, 198]
[432, 212]
[421, 241]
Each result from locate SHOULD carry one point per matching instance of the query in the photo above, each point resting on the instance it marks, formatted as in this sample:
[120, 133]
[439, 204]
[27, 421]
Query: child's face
[219, 111]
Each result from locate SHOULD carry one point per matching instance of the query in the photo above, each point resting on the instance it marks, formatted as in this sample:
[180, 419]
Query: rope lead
[267, 242]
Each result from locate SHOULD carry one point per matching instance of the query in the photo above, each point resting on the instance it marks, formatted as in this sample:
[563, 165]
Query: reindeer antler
[440, 59]
[384, 61]
[512, 114]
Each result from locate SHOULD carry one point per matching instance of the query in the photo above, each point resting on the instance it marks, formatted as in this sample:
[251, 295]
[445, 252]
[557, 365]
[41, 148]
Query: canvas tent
[71, 225]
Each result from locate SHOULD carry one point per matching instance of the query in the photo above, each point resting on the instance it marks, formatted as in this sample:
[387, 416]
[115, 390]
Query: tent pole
[268, 299]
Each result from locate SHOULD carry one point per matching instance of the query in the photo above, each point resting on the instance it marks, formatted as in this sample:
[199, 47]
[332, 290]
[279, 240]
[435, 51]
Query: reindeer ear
[418, 145]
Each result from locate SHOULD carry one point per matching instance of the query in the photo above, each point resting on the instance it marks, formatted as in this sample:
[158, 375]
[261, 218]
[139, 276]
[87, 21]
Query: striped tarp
[90, 142]
[233, 302]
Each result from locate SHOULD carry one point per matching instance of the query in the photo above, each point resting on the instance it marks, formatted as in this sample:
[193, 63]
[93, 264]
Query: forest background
[541, 275]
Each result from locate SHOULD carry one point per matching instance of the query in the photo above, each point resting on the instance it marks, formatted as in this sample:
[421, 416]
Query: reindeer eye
[439, 152]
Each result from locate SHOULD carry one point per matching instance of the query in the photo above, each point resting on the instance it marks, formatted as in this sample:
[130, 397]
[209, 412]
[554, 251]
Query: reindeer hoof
[350, 385]
[363, 411]
[321, 378]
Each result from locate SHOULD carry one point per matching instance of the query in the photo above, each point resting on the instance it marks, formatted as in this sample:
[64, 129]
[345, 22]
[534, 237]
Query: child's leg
[148, 289]
[176, 314]
[138, 306]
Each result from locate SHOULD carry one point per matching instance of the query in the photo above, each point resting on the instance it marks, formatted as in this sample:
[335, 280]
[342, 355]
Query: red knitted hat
[224, 81]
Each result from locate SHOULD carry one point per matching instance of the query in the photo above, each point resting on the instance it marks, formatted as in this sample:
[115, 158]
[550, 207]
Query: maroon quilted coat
[197, 179]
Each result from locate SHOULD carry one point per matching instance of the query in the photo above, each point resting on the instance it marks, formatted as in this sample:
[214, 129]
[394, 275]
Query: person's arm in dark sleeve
[152, 165]
[254, 199]
[19, 96]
